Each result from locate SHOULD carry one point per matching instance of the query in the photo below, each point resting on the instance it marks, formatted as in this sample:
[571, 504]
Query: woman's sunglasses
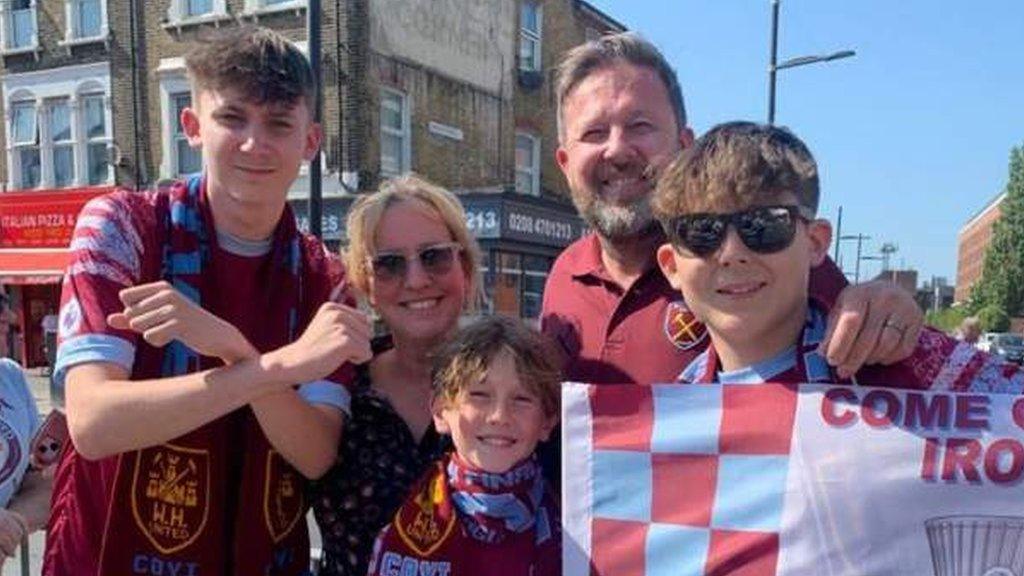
[763, 229]
[436, 260]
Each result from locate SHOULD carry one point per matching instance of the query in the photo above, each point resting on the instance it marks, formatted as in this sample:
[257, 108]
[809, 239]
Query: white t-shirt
[19, 421]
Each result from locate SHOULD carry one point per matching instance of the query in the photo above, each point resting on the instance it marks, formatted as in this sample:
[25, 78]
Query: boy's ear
[314, 136]
[190, 126]
[547, 427]
[437, 406]
[666, 256]
[819, 232]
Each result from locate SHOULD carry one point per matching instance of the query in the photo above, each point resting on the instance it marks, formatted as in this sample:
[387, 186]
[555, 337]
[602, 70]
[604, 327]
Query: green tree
[946, 319]
[994, 319]
[1002, 280]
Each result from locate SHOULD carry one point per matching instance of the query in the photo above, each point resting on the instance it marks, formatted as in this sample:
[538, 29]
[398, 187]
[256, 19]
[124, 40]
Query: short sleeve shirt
[643, 334]
[19, 422]
[116, 245]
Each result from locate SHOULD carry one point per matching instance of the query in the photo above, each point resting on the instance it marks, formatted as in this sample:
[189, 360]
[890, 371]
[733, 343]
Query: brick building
[972, 241]
[460, 91]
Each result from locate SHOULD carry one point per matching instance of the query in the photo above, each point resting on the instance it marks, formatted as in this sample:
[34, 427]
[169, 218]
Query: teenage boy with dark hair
[190, 443]
[739, 212]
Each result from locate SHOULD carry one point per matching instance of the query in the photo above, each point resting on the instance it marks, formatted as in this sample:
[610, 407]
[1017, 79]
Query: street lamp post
[860, 238]
[774, 67]
[315, 208]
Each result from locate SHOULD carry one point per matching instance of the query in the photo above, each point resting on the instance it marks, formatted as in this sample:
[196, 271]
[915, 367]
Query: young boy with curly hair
[485, 508]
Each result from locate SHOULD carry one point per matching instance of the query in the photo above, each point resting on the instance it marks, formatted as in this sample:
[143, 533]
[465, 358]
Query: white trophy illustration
[976, 545]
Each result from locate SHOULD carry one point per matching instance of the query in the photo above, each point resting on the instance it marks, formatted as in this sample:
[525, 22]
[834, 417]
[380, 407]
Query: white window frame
[48, 142]
[405, 133]
[173, 81]
[6, 30]
[533, 171]
[72, 35]
[177, 13]
[257, 7]
[70, 83]
[21, 100]
[87, 141]
[534, 36]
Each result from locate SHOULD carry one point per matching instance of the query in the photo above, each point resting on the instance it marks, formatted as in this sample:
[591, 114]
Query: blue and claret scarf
[218, 500]
[461, 520]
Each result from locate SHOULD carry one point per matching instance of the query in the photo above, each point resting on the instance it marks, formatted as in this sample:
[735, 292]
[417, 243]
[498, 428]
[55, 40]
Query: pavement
[39, 382]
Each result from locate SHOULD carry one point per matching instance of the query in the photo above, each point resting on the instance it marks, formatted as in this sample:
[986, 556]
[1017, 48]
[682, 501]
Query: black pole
[856, 274]
[315, 183]
[133, 33]
[771, 65]
[839, 237]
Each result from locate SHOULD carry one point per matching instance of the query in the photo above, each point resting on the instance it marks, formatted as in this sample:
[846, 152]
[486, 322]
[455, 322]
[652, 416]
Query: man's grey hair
[629, 47]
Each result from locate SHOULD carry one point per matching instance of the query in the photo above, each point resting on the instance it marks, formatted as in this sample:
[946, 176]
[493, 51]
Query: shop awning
[32, 265]
[35, 229]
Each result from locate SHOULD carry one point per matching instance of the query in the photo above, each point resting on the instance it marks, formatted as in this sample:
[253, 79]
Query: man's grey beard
[616, 222]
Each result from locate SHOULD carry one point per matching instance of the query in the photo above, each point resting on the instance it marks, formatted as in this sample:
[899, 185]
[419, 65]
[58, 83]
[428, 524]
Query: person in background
[8, 326]
[49, 327]
[24, 490]
[969, 330]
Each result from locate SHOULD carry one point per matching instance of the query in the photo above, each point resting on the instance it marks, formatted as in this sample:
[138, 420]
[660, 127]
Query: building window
[97, 139]
[187, 160]
[86, 19]
[24, 133]
[18, 25]
[530, 17]
[61, 142]
[535, 274]
[256, 6]
[60, 127]
[527, 164]
[198, 7]
[185, 10]
[395, 137]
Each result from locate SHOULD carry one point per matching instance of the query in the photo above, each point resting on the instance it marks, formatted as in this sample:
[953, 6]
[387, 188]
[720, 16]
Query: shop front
[520, 237]
[35, 230]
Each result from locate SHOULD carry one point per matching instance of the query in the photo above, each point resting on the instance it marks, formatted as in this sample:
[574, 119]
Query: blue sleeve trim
[327, 393]
[92, 348]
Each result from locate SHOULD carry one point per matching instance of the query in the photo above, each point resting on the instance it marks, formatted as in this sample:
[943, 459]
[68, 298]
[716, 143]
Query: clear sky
[912, 135]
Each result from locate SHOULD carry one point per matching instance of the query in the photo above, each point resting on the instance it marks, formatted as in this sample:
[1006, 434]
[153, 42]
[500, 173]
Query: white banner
[762, 479]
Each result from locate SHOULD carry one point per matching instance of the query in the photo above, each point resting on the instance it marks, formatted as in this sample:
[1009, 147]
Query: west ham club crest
[682, 328]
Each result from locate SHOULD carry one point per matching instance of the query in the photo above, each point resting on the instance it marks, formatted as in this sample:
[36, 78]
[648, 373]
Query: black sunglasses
[763, 229]
[436, 260]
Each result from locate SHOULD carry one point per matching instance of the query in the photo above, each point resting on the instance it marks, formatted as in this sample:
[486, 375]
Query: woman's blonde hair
[365, 215]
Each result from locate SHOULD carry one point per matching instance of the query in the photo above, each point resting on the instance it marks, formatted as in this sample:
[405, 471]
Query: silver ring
[890, 324]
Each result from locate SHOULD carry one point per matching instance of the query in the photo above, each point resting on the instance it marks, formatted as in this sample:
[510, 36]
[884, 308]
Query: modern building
[459, 91]
[972, 241]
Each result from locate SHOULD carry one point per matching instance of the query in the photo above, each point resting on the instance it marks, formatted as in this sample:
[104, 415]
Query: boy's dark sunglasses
[436, 260]
[763, 229]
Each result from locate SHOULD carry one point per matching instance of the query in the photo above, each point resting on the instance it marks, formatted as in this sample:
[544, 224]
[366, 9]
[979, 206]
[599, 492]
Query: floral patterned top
[378, 463]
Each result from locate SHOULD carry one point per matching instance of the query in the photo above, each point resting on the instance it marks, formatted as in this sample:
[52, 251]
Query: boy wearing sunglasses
[739, 212]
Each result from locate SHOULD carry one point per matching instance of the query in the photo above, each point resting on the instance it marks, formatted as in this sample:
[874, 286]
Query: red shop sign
[42, 219]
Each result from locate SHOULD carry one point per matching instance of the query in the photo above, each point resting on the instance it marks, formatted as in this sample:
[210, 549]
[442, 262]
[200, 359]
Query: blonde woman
[412, 257]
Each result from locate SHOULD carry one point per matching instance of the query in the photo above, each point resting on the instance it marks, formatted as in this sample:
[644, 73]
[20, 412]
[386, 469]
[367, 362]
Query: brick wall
[972, 242]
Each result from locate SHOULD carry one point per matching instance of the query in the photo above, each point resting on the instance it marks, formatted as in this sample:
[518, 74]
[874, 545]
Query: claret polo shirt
[643, 334]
